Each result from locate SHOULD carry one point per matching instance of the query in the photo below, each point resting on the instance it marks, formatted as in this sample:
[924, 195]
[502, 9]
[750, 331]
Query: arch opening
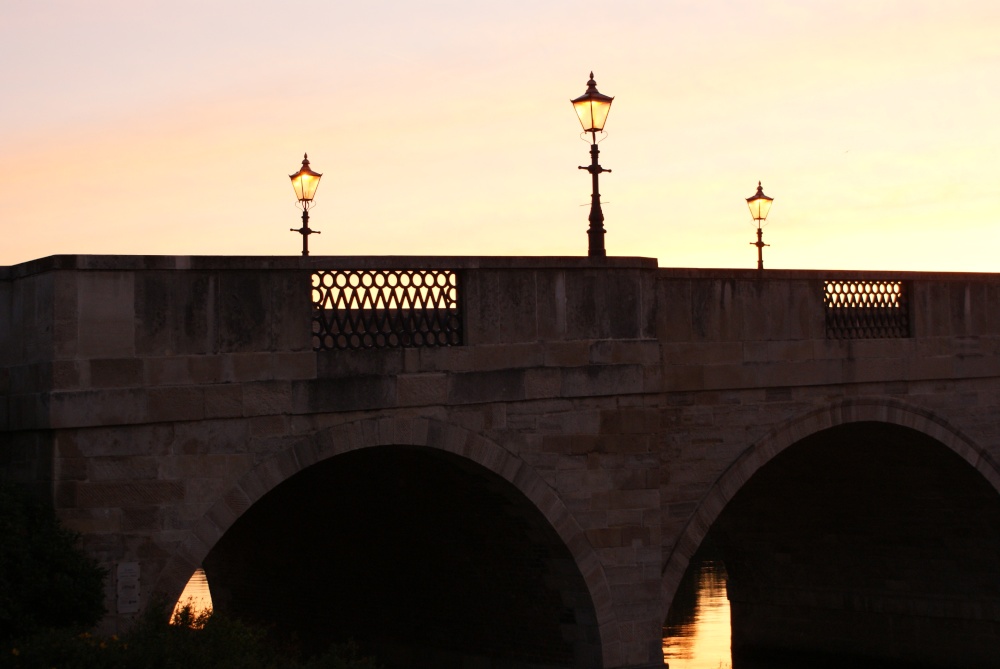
[423, 557]
[865, 544]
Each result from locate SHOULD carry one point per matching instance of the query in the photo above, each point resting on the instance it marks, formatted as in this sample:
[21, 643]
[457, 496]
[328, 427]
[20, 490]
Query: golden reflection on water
[196, 593]
[702, 640]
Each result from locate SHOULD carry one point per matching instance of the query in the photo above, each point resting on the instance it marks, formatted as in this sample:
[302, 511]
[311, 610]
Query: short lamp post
[592, 107]
[759, 205]
[305, 182]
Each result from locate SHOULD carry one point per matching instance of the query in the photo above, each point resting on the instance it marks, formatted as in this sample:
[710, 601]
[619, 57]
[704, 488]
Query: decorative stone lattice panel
[385, 309]
[866, 309]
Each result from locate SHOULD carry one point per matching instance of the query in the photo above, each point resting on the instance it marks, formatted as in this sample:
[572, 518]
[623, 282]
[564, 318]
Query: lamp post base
[596, 246]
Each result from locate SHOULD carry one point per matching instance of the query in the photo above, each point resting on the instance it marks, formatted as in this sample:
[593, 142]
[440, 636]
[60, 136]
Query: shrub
[46, 582]
[189, 641]
[50, 592]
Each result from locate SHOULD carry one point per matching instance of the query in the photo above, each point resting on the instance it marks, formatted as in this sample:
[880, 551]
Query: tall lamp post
[305, 182]
[759, 205]
[592, 107]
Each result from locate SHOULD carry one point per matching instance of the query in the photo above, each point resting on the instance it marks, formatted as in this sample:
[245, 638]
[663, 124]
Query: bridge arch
[751, 524]
[312, 449]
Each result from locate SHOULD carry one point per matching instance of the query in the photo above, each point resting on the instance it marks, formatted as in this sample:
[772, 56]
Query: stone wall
[160, 397]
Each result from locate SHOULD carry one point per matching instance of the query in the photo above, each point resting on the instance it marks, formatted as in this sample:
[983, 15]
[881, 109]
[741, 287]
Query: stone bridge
[509, 462]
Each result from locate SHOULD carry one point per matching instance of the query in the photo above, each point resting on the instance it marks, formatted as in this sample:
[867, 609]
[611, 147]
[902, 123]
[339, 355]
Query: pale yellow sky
[445, 128]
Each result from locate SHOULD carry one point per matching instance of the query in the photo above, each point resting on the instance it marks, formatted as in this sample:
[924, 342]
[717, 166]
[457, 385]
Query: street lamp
[592, 107]
[305, 182]
[759, 205]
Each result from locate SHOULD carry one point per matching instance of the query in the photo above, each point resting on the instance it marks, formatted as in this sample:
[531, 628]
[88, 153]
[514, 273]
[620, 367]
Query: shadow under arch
[825, 426]
[313, 449]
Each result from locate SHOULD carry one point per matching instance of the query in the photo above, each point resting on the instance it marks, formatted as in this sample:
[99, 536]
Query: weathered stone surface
[165, 329]
[170, 404]
[158, 399]
[365, 362]
[494, 386]
[115, 373]
[105, 315]
[344, 394]
[422, 389]
[243, 312]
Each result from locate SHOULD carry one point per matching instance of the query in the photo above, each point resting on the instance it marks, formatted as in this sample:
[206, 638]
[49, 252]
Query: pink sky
[445, 128]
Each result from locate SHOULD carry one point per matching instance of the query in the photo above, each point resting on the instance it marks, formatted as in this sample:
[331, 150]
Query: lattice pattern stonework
[385, 309]
[866, 309]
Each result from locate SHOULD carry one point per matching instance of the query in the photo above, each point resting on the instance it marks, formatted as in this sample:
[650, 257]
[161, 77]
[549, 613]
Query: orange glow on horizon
[870, 171]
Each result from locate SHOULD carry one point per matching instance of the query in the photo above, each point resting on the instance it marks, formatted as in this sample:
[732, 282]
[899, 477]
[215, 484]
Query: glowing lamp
[759, 204]
[592, 107]
[305, 182]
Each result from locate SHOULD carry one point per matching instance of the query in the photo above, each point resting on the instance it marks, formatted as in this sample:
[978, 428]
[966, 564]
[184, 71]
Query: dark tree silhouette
[46, 581]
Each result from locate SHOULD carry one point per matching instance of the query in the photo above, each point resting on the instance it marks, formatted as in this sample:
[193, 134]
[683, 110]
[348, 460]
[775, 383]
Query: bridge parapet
[731, 329]
[170, 335]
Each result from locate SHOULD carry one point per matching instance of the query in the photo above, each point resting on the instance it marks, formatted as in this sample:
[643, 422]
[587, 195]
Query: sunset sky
[444, 128]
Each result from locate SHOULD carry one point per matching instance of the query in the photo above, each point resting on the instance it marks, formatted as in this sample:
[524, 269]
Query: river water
[696, 635]
[196, 593]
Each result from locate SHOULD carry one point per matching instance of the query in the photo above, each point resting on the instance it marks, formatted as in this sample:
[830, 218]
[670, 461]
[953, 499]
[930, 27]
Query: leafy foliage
[46, 582]
[189, 641]
[50, 591]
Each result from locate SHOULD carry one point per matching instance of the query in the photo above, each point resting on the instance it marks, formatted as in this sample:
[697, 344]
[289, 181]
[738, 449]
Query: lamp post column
[596, 231]
[305, 232]
[760, 248]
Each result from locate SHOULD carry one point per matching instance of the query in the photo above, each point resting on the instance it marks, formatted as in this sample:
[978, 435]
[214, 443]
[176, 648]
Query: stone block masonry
[160, 399]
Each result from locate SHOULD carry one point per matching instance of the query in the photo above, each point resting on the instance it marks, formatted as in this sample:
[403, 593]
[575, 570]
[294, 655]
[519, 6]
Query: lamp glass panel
[759, 207]
[310, 182]
[600, 110]
[593, 112]
[305, 186]
[582, 109]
